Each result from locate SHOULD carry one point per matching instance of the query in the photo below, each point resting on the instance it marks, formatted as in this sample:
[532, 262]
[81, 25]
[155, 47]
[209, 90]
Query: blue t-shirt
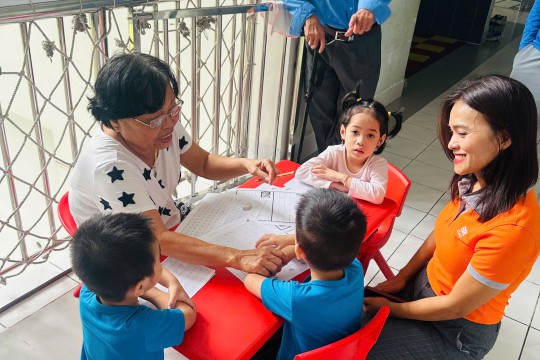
[316, 312]
[127, 332]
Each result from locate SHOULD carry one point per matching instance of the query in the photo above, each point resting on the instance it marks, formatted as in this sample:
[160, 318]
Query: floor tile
[422, 198]
[2, 328]
[523, 302]
[433, 107]
[55, 330]
[405, 252]
[405, 147]
[424, 228]
[531, 349]
[535, 323]
[37, 301]
[409, 219]
[434, 155]
[428, 175]
[396, 160]
[534, 276]
[379, 278]
[13, 347]
[443, 201]
[509, 342]
[371, 272]
[417, 133]
[423, 119]
[396, 238]
[61, 258]
[172, 354]
[32, 277]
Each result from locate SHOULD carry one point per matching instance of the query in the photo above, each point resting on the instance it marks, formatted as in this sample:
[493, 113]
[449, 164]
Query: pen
[279, 175]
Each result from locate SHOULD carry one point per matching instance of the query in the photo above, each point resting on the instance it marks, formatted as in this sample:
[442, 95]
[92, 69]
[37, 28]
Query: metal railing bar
[280, 90]
[210, 11]
[217, 87]
[261, 85]
[240, 88]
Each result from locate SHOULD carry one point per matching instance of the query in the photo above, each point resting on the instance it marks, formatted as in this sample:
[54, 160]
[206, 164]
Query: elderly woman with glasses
[133, 162]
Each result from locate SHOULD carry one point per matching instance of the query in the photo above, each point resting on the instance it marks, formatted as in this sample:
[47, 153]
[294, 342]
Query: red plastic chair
[397, 189]
[69, 224]
[353, 347]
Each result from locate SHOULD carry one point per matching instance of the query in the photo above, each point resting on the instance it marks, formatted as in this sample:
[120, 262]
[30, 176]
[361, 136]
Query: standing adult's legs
[322, 109]
[354, 62]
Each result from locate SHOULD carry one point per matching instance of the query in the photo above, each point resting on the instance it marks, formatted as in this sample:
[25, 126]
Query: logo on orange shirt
[462, 232]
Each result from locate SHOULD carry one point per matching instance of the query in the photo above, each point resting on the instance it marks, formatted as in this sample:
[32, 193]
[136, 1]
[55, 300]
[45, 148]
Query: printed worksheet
[243, 234]
[296, 186]
[191, 277]
[216, 210]
[280, 206]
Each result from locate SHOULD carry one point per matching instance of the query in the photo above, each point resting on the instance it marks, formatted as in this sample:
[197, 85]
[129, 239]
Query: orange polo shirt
[499, 253]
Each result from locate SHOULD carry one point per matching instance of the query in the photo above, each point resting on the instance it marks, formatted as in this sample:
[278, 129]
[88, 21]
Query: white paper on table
[216, 210]
[243, 234]
[191, 277]
[276, 205]
[296, 186]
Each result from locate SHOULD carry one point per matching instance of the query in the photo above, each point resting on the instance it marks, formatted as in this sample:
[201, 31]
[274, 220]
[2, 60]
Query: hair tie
[358, 100]
[389, 113]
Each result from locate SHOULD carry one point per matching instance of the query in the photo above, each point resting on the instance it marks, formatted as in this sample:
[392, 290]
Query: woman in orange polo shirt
[485, 241]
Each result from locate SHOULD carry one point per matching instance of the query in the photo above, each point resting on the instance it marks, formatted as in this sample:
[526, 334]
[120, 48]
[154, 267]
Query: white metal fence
[238, 84]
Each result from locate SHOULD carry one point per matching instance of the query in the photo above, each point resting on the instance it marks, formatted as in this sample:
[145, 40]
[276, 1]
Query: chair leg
[381, 262]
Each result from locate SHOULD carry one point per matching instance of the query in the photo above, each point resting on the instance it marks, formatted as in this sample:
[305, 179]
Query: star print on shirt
[164, 211]
[160, 182]
[146, 174]
[182, 142]
[105, 203]
[126, 198]
[115, 174]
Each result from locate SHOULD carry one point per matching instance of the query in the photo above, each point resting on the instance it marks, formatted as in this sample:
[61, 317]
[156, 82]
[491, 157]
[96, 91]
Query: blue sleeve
[379, 8]
[277, 297]
[164, 328]
[300, 10]
[532, 26]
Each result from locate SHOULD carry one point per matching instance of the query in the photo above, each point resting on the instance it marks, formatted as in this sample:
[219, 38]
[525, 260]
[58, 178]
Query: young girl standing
[354, 166]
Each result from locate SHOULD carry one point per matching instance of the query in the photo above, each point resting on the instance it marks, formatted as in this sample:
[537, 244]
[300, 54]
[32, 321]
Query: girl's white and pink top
[367, 184]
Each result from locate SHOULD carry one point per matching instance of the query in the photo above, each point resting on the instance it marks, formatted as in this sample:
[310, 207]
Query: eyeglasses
[157, 122]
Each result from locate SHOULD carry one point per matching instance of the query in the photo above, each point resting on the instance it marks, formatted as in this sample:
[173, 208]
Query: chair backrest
[355, 346]
[65, 215]
[398, 187]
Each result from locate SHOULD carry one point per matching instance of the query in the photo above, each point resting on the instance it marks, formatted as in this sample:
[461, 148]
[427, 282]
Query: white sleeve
[374, 188]
[120, 187]
[304, 174]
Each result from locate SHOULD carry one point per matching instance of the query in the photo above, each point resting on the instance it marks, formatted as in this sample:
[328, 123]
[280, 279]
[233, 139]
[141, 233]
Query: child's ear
[381, 140]
[300, 254]
[342, 132]
[139, 289]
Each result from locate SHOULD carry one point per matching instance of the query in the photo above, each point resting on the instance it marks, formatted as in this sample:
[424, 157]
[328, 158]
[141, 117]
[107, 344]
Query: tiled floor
[47, 325]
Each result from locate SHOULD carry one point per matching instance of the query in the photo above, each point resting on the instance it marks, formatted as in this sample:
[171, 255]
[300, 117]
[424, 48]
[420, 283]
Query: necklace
[151, 164]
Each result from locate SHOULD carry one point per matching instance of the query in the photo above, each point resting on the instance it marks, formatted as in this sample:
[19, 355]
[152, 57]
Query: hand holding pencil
[279, 175]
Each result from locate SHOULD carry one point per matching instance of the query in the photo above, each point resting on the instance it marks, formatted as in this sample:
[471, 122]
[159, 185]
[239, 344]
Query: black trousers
[344, 65]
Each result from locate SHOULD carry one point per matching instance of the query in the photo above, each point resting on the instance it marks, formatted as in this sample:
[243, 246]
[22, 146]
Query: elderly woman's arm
[216, 167]
[265, 261]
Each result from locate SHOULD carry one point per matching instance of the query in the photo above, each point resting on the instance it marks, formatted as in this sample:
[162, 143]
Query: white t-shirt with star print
[110, 178]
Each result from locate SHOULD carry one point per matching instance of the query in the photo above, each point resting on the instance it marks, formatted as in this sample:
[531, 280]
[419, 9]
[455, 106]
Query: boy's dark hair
[352, 104]
[112, 253]
[329, 228]
[130, 85]
[509, 109]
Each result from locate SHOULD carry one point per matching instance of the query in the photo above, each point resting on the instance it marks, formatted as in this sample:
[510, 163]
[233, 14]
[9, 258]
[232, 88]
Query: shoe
[498, 20]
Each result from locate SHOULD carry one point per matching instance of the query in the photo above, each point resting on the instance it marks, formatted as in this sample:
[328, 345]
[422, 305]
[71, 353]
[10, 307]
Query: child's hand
[177, 293]
[325, 173]
[277, 241]
[339, 187]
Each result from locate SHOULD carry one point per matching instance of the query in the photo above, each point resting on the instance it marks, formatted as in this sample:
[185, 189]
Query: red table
[232, 323]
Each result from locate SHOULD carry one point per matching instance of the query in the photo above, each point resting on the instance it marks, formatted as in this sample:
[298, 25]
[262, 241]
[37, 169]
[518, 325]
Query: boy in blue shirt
[327, 306]
[117, 257]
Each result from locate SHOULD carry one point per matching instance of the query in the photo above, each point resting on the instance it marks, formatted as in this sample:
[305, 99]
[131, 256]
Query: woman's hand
[373, 304]
[263, 168]
[393, 285]
[325, 173]
[277, 241]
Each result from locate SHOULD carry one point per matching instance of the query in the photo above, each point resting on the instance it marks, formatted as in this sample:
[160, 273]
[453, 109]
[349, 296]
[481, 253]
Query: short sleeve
[184, 140]
[277, 297]
[501, 255]
[164, 328]
[120, 187]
